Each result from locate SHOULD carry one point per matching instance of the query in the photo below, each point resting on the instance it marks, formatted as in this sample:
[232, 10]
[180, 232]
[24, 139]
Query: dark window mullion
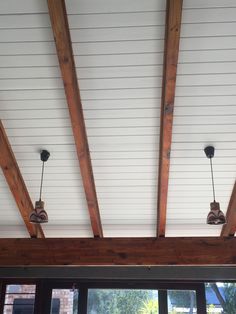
[2, 296]
[162, 301]
[37, 297]
[83, 300]
[201, 299]
[43, 298]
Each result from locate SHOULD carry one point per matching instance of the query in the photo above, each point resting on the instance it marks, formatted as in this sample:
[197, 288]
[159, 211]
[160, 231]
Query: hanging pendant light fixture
[215, 216]
[39, 215]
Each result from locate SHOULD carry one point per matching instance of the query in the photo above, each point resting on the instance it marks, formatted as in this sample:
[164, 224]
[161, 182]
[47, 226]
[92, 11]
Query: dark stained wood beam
[229, 228]
[16, 184]
[59, 21]
[172, 37]
[118, 251]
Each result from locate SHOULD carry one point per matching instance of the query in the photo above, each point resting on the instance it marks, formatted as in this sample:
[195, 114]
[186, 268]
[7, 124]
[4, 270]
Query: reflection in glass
[64, 301]
[221, 298]
[181, 302]
[19, 299]
[120, 301]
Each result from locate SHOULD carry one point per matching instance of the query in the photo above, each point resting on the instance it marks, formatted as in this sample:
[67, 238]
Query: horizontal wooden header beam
[118, 251]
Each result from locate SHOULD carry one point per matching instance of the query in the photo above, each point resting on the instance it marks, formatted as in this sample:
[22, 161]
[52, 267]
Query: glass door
[64, 301]
[128, 298]
[59, 298]
[122, 301]
[182, 301]
[19, 299]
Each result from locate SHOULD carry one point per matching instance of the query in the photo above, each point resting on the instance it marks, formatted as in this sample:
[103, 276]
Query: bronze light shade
[39, 215]
[215, 216]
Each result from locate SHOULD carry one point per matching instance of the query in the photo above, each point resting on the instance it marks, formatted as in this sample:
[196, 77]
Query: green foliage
[149, 307]
[107, 301]
[210, 308]
[230, 298]
[181, 298]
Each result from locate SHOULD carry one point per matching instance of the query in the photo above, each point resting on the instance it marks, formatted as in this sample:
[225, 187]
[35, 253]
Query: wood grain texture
[118, 251]
[229, 228]
[58, 16]
[172, 37]
[16, 184]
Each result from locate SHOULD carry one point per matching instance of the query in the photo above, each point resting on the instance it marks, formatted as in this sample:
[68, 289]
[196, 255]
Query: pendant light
[215, 216]
[39, 215]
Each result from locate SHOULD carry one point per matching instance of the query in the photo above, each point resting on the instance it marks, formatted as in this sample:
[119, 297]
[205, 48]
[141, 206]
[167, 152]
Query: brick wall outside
[66, 297]
[17, 292]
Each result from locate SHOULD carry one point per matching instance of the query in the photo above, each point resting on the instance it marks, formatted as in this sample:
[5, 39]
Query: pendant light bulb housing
[39, 215]
[215, 216]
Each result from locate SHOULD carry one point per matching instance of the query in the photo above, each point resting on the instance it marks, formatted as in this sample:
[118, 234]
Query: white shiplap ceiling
[34, 112]
[122, 48]
[205, 113]
[118, 49]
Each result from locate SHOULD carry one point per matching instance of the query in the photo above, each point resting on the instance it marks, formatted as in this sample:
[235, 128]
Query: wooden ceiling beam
[59, 21]
[172, 38]
[16, 184]
[118, 251]
[229, 228]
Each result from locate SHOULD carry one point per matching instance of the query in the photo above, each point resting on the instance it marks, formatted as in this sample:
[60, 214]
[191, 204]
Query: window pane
[64, 301]
[120, 301]
[221, 298]
[19, 299]
[181, 301]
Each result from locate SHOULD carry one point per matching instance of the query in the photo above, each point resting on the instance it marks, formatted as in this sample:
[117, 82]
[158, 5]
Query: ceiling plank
[16, 184]
[118, 251]
[172, 37]
[59, 21]
[229, 228]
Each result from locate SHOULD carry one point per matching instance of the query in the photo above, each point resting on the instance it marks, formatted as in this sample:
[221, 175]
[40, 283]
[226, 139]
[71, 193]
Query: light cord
[212, 180]
[41, 185]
